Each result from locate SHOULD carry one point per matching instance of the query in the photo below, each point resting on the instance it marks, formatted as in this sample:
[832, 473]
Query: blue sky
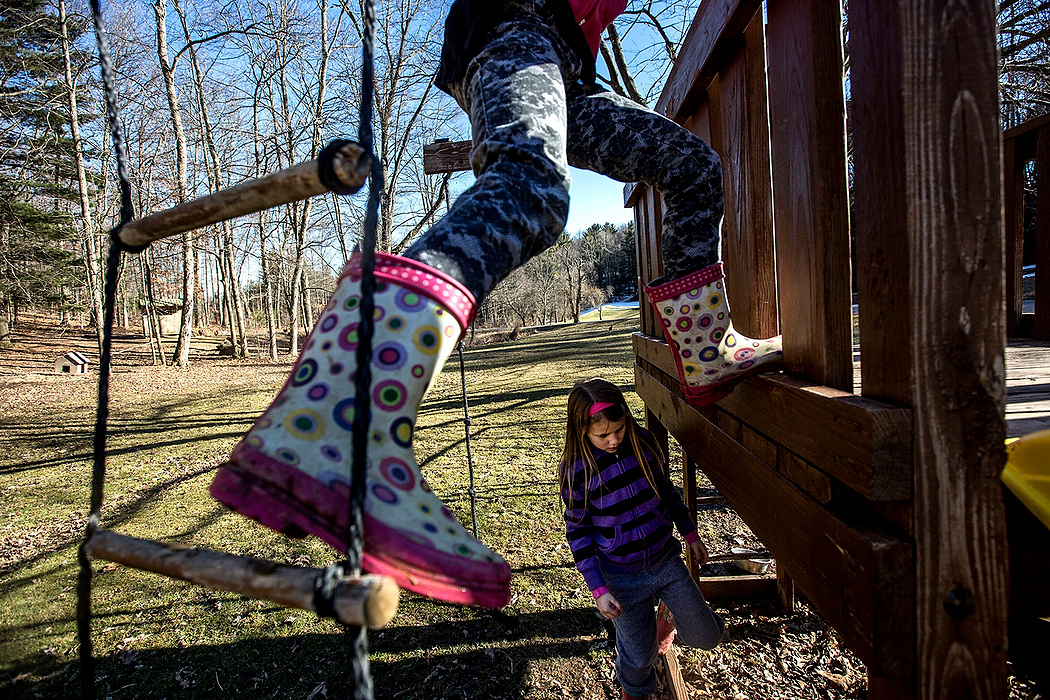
[595, 199]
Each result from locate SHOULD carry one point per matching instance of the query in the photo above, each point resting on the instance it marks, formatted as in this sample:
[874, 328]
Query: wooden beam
[861, 581]
[949, 95]
[807, 116]
[804, 475]
[350, 165]
[720, 590]
[446, 157]
[370, 601]
[863, 443]
[740, 136]
[1023, 130]
[673, 675]
[717, 24]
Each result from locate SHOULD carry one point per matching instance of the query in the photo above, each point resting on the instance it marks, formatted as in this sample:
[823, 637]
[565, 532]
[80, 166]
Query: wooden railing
[1022, 145]
[876, 489]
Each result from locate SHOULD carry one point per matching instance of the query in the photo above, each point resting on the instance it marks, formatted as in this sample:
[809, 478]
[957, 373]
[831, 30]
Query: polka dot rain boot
[291, 472]
[711, 356]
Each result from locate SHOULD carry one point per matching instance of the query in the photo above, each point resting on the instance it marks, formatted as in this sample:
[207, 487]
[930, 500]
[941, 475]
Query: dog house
[71, 363]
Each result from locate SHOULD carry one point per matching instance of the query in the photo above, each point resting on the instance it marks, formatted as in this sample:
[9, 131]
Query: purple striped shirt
[619, 523]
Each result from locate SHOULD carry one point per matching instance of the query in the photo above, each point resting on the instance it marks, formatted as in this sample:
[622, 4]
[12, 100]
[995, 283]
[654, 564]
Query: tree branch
[613, 81]
[427, 217]
[621, 63]
[244, 30]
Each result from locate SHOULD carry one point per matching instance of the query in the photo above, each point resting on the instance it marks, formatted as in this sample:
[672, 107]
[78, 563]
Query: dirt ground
[767, 653]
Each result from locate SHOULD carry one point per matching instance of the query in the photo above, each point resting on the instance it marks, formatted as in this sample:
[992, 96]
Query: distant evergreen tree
[39, 262]
[615, 264]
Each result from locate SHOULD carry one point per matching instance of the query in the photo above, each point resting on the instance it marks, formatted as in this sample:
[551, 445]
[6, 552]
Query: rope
[98, 469]
[467, 422]
[362, 680]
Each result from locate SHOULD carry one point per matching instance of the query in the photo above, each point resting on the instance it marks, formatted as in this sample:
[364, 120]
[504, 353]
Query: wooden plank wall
[882, 502]
[1022, 145]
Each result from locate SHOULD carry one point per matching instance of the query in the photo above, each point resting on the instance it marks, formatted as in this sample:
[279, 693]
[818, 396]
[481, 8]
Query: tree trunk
[153, 321]
[238, 336]
[308, 304]
[189, 286]
[90, 252]
[264, 262]
[271, 323]
[339, 227]
[297, 276]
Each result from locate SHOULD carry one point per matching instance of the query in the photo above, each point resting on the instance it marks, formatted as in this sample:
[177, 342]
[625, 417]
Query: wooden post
[654, 426]
[1041, 328]
[951, 155]
[740, 135]
[880, 183]
[673, 675]
[689, 491]
[368, 601]
[648, 218]
[1013, 225]
[785, 589]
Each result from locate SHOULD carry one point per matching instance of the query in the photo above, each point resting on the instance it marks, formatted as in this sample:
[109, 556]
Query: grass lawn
[160, 638]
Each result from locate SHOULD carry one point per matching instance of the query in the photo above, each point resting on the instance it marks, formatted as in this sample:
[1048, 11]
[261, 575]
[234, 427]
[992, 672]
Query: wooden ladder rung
[676, 687]
[350, 165]
[758, 554]
[369, 601]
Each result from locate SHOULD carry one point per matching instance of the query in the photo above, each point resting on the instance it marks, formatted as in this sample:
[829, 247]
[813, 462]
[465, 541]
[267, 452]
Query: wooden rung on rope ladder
[358, 601]
[342, 167]
[368, 601]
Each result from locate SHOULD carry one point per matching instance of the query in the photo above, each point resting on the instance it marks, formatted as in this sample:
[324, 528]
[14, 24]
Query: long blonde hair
[578, 446]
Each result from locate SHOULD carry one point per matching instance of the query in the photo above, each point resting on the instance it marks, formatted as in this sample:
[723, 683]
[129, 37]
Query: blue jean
[636, 644]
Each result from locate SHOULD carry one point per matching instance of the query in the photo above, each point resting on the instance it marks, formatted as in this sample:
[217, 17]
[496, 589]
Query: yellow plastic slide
[1027, 472]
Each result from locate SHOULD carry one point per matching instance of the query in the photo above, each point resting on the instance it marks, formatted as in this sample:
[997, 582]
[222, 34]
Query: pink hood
[594, 16]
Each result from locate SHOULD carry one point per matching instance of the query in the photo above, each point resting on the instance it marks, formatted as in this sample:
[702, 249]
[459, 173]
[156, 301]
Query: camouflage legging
[530, 119]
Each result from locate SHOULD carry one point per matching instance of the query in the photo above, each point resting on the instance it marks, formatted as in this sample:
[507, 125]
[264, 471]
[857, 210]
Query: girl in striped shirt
[620, 515]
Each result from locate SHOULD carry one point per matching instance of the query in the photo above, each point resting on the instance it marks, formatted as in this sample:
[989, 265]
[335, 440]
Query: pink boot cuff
[422, 279]
[674, 288]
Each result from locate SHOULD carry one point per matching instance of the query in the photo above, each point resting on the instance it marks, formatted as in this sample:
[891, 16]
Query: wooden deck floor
[1027, 386]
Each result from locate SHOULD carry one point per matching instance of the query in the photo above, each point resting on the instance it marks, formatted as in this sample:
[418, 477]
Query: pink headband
[600, 406]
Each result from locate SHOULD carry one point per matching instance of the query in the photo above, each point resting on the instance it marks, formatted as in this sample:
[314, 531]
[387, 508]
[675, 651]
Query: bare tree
[167, 68]
[226, 256]
[1024, 59]
[656, 29]
[409, 111]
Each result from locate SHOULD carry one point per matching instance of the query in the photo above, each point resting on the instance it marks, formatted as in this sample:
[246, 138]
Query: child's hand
[699, 552]
[608, 606]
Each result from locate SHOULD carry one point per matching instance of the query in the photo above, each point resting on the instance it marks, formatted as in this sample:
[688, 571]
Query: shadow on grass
[488, 656]
[112, 519]
[78, 432]
[515, 399]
